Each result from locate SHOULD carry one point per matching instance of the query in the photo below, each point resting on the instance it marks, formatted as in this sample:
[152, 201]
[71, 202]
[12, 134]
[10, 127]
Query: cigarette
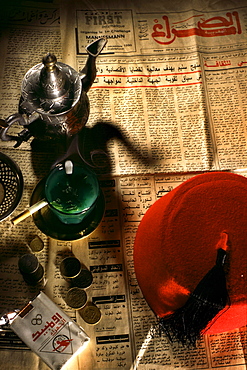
[28, 212]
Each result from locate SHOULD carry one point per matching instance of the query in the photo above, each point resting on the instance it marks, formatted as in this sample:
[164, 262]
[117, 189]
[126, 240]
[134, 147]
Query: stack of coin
[72, 270]
[30, 268]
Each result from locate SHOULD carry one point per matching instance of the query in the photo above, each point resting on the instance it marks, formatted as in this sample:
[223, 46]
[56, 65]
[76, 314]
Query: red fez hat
[175, 255]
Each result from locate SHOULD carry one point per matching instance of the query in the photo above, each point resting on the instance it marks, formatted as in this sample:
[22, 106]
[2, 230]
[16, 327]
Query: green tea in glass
[72, 190]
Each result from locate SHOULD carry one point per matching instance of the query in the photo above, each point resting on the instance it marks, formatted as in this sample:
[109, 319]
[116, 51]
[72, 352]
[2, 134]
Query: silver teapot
[54, 99]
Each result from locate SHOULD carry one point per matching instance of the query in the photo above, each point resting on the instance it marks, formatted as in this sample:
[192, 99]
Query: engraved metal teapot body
[54, 101]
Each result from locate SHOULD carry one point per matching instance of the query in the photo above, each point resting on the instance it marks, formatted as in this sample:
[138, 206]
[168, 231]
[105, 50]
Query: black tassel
[208, 299]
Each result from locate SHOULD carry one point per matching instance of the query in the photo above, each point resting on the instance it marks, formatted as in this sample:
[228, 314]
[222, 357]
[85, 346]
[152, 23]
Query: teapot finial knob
[54, 84]
[49, 60]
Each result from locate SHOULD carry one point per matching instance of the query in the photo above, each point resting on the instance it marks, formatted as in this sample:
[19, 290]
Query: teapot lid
[51, 87]
[53, 80]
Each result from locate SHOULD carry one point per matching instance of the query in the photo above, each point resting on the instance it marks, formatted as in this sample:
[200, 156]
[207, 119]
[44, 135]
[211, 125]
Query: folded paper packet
[49, 332]
[176, 247]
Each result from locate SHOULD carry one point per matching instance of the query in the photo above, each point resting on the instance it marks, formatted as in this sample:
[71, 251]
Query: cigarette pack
[49, 332]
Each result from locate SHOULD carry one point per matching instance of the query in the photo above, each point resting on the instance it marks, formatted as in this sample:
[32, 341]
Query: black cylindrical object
[30, 268]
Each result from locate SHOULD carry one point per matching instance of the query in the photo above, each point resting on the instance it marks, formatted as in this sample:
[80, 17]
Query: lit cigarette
[28, 212]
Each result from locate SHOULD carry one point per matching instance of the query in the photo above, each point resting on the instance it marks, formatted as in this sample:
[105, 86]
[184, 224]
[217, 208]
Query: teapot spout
[95, 48]
[88, 73]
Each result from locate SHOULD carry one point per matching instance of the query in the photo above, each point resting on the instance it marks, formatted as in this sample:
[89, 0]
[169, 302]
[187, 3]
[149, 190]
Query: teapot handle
[6, 124]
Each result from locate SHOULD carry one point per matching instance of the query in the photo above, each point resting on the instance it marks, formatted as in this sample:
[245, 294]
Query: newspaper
[174, 93]
[168, 102]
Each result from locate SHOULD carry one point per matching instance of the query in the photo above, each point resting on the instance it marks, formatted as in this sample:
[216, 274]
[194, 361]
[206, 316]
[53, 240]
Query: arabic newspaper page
[169, 81]
[160, 83]
[155, 113]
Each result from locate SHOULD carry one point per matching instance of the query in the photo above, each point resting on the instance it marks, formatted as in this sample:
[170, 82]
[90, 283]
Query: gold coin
[36, 244]
[90, 314]
[76, 298]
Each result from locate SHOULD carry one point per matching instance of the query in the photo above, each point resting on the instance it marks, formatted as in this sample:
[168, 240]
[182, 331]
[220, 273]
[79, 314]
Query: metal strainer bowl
[11, 186]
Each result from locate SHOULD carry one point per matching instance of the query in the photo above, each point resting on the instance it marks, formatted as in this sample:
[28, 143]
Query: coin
[84, 280]
[30, 268]
[36, 244]
[34, 278]
[76, 298]
[70, 267]
[90, 314]
[28, 263]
